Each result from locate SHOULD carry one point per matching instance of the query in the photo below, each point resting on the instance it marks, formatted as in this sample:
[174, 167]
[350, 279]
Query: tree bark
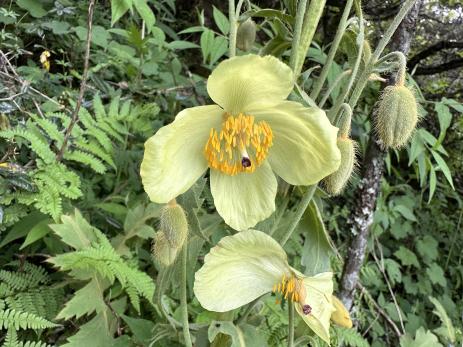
[369, 187]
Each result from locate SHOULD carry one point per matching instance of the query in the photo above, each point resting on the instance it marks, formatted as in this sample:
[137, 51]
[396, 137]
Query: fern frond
[41, 148]
[11, 340]
[50, 129]
[23, 320]
[87, 159]
[94, 148]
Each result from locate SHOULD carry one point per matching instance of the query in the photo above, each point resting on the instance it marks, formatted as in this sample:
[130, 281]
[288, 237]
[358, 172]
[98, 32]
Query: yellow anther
[245, 142]
[290, 288]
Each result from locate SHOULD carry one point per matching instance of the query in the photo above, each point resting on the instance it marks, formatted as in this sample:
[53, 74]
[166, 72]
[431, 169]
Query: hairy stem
[233, 28]
[183, 297]
[297, 34]
[332, 114]
[305, 201]
[377, 53]
[334, 47]
[311, 19]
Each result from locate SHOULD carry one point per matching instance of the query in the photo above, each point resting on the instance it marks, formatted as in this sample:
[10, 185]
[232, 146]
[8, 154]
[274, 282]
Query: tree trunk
[369, 187]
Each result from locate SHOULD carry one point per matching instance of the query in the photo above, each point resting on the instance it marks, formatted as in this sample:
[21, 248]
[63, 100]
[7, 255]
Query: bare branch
[431, 50]
[83, 84]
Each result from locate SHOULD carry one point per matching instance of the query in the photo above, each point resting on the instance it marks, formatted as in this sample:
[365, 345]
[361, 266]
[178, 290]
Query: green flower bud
[335, 183]
[4, 122]
[174, 224]
[396, 116]
[162, 251]
[246, 35]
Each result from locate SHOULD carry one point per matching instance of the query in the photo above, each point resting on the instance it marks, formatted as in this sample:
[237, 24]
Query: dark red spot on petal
[306, 309]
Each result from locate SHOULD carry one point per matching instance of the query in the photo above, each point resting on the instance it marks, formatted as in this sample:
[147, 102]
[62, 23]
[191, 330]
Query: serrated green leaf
[86, 300]
[407, 257]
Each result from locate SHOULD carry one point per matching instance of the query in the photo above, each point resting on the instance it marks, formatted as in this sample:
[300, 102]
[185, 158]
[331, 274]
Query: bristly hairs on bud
[162, 250]
[246, 35]
[174, 224]
[396, 115]
[336, 182]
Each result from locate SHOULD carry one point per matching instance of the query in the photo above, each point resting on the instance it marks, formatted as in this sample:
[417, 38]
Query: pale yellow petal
[238, 83]
[239, 269]
[174, 158]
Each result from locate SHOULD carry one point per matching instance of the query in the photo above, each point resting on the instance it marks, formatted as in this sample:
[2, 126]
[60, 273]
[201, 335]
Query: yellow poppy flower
[249, 264]
[251, 134]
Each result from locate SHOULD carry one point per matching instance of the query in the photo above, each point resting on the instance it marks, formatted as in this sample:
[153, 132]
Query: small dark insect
[246, 162]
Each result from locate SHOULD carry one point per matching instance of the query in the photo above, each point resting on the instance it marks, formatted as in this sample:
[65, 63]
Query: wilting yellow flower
[44, 60]
[249, 264]
[252, 133]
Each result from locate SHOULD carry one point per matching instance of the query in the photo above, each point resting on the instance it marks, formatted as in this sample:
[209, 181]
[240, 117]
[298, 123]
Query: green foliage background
[75, 235]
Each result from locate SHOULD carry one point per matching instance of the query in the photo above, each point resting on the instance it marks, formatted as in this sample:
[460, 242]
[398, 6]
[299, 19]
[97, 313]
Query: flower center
[240, 146]
[291, 288]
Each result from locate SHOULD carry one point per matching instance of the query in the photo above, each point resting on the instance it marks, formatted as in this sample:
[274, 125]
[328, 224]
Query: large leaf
[86, 300]
[317, 246]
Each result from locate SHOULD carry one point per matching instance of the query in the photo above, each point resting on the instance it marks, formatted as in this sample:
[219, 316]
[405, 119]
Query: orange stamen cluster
[240, 146]
[290, 288]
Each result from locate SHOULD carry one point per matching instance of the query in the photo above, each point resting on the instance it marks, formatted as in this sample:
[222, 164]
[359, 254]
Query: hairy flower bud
[341, 316]
[162, 251]
[174, 224]
[4, 122]
[336, 182]
[396, 116]
[246, 35]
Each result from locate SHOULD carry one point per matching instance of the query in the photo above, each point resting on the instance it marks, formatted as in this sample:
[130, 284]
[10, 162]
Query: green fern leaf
[23, 320]
[87, 159]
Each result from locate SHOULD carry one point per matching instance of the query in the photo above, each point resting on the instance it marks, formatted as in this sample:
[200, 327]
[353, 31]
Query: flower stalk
[233, 28]
[302, 5]
[290, 325]
[311, 18]
[343, 24]
[183, 297]
[378, 51]
[305, 201]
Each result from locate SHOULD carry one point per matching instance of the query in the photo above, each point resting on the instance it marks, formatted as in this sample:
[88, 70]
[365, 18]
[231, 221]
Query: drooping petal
[240, 82]
[174, 158]
[244, 199]
[318, 295]
[239, 269]
[340, 316]
[304, 142]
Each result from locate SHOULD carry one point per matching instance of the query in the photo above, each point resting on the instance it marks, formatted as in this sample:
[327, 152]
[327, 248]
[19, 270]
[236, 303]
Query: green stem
[377, 53]
[297, 34]
[183, 297]
[401, 62]
[280, 214]
[345, 122]
[233, 28]
[306, 198]
[334, 47]
[333, 86]
[290, 324]
[311, 19]
[343, 94]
